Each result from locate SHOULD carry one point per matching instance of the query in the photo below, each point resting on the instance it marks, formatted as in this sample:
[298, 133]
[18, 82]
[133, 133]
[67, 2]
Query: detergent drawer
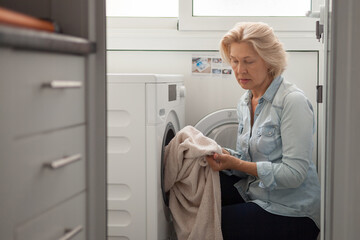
[47, 93]
[65, 221]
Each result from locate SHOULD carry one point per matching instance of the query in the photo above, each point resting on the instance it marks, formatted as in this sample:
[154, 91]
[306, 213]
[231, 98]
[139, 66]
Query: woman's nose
[240, 68]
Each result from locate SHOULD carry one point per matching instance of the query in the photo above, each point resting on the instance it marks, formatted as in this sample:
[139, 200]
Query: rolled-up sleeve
[266, 175]
[297, 128]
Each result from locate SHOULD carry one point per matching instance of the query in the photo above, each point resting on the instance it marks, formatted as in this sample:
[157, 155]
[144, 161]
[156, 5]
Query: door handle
[319, 30]
[62, 84]
[63, 161]
[319, 27]
[71, 233]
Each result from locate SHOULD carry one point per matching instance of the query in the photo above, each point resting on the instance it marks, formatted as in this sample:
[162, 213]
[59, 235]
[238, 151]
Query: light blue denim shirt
[281, 144]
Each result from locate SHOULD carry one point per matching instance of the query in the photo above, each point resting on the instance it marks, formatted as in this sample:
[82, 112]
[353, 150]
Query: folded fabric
[194, 188]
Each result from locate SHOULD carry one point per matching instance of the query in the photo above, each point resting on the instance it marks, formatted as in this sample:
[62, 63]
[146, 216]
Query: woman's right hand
[224, 151]
[220, 162]
[225, 161]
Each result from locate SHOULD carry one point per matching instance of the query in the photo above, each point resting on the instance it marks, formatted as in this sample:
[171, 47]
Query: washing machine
[222, 126]
[145, 111]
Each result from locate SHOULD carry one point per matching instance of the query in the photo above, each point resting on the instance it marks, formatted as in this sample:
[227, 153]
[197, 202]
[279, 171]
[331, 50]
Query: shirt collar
[270, 91]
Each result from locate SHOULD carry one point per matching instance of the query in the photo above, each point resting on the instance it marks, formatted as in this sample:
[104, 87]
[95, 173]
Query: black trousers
[241, 220]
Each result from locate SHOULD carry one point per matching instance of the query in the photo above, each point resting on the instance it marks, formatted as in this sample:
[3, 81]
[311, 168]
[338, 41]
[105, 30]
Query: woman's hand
[224, 151]
[224, 161]
[220, 162]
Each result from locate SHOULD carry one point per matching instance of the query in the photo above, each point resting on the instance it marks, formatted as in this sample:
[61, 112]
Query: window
[214, 15]
[142, 8]
[282, 15]
[251, 7]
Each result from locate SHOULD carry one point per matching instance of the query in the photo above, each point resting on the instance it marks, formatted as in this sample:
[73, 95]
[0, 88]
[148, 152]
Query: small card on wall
[209, 66]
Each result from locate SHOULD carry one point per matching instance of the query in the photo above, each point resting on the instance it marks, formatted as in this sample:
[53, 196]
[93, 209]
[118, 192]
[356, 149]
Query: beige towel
[195, 197]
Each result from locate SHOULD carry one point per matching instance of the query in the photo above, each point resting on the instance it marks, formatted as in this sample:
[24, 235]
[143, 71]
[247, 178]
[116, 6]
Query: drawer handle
[63, 84]
[63, 161]
[71, 233]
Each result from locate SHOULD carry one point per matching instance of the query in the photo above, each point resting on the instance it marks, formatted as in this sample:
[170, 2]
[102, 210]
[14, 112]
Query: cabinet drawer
[55, 223]
[34, 104]
[40, 186]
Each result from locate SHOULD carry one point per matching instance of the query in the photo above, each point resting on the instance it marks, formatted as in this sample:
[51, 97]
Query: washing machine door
[221, 126]
[168, 135]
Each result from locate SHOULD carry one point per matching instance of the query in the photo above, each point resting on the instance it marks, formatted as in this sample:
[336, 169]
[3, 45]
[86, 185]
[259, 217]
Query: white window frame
[293, 24]
[162, 34]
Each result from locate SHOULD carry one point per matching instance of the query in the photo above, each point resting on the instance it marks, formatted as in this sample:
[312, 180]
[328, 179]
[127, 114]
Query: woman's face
[250, 69]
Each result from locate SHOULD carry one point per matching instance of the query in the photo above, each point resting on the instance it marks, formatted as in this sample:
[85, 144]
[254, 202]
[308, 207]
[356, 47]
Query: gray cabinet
[52, 123]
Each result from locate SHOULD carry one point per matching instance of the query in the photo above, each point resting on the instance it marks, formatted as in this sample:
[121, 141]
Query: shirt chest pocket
[267, 139]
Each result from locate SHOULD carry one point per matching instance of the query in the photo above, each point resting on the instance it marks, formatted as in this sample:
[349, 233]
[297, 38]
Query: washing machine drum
[221, 126]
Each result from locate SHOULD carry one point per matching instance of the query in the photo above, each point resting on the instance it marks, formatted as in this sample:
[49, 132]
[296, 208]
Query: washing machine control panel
[172, 92]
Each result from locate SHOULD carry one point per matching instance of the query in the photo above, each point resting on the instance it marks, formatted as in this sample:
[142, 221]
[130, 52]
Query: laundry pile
[195, 195]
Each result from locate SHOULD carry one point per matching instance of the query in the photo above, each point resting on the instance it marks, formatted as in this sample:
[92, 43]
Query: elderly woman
[269, 185]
